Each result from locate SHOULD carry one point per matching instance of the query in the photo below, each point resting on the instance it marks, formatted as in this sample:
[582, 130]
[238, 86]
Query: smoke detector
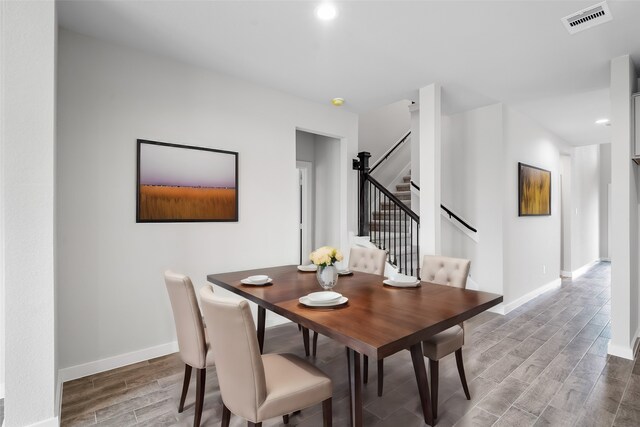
[587, 18]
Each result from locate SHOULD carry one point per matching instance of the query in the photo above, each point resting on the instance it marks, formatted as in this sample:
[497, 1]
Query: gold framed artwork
[534, 191]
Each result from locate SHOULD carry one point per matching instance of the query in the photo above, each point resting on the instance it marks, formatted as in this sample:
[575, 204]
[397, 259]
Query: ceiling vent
[587, 18]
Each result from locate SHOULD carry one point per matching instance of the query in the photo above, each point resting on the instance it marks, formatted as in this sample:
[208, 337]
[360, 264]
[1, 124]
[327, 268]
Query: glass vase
[327, 276]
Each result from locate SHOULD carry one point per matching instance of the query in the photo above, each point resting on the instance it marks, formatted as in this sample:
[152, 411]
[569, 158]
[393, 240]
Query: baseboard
[580, 271]
[50, 422]
[620, 351]
[58, 401]
[506, 308]
[79, 371]
[605, 259]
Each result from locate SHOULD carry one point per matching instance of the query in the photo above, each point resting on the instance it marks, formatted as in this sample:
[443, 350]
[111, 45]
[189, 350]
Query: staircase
[390, 229]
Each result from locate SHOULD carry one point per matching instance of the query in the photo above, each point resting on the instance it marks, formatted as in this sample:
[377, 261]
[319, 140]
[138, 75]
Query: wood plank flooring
[544, 363]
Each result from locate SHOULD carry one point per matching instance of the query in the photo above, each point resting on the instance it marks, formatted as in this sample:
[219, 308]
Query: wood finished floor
[544, 363]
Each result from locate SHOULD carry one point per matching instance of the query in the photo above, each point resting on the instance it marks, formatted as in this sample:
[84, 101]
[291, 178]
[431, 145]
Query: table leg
[305, 340]
[262, 315]
[355, 387]
[421, 377]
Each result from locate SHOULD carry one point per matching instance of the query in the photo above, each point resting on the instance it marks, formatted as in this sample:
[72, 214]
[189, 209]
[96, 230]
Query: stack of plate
[402, 281]
[308, 268]
[323, 299]
[258, 280]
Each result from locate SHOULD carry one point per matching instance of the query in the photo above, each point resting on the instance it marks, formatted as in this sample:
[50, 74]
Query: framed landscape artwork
[180, 183]
[534, 191]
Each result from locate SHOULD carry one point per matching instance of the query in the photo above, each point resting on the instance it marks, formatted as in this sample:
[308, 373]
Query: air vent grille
[587, 18]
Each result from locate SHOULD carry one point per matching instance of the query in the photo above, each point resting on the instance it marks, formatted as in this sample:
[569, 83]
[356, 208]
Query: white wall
[379, 130]
[112, 298]
[566, 214]
[585, 210]
[624, 212]
[531, 244]
[472, 159]
[605, 181]
[28, 54]
[515, 256]
[326, 173]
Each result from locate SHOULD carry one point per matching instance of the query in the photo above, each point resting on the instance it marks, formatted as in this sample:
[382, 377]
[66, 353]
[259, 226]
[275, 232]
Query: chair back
[232, 335]
[187, 318]
[367, 260]
[445, 270]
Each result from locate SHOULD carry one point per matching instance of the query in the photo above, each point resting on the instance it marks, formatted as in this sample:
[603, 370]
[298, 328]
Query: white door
[305, 225]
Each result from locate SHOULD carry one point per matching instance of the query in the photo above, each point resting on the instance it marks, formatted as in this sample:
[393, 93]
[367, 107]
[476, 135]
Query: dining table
[377, 321]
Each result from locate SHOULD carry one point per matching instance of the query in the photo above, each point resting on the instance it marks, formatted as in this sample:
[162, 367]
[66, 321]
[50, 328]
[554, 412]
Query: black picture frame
[543, 187]
[154, 187]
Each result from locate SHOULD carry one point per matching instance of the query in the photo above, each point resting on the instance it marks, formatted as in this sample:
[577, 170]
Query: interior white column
[27, 111]
[624, 212]
[430, 160]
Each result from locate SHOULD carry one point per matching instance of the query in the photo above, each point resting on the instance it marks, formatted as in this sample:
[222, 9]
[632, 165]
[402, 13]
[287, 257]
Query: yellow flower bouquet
[325, 256]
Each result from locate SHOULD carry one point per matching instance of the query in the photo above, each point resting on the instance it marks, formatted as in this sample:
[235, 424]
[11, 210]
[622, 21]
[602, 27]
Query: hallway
[544, 363]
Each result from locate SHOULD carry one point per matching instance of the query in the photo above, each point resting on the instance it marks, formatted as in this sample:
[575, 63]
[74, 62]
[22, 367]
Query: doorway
[317, 161]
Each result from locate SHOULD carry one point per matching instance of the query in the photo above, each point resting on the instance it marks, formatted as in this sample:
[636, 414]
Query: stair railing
[390, 151]
[451, 214]
[390, 224]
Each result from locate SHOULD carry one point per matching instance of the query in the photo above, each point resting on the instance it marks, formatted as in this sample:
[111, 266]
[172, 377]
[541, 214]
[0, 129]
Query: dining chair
[451, 272]
[253, 386]
[442, 271]
[194, 349]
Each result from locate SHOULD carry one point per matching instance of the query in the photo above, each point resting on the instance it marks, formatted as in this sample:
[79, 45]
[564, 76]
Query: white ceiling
[375, 53]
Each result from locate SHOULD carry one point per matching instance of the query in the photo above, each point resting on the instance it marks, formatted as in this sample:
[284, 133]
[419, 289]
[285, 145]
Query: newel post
[362, 166]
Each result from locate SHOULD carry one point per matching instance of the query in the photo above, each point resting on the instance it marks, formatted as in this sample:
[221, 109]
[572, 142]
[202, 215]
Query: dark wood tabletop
[378, 320]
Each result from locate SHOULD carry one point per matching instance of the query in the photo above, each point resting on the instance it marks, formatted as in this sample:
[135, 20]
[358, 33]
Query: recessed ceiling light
[326, 12]
[602, 122]
[337, 102]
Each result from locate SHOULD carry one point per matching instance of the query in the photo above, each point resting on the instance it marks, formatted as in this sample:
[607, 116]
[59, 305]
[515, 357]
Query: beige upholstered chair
[194, 349]
[253, 386]
[450, 272]
[367, 260]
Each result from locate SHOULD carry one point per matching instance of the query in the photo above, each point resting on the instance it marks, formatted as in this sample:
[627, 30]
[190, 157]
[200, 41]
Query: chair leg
[285, 419]
[201, 375]
[433, 370]
[463, 378]
[226, 416]
[185, 386]
[380, 376]
[365, 370]
[315, 343]
[250, 424]
[327, 413]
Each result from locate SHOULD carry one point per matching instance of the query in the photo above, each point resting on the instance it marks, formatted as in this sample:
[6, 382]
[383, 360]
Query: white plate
[401, 284]
[402, 278]
[324, 297]
[258, 279]
[305, 301]
[344, 272]
[310, 267]
[250, 282]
